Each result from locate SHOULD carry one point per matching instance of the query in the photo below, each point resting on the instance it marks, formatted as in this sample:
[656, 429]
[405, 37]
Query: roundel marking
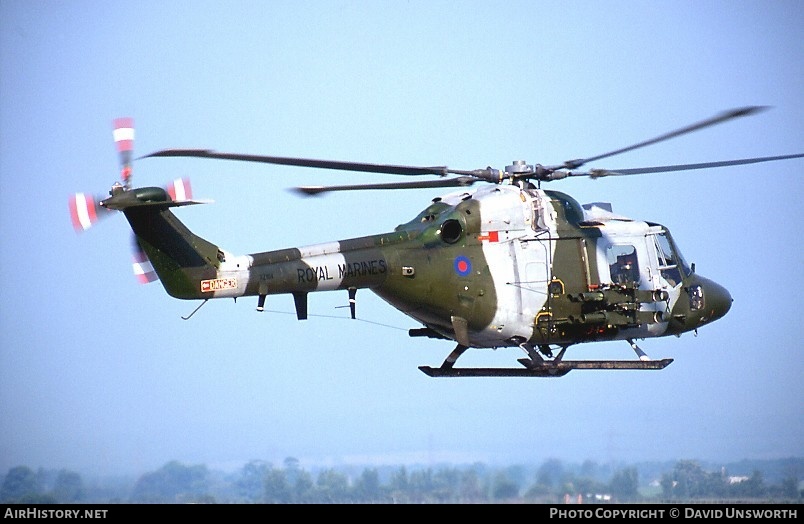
[463, 266]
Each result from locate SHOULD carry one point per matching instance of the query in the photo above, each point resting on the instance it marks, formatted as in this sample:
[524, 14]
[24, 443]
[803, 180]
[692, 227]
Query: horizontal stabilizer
[176, 195]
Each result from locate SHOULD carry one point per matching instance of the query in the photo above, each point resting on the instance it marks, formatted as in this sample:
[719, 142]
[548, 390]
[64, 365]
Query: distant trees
[624, 485]
[444, 485]
[276, 488]
[22, 485]
[332, 486]
[174, 482]
[368, 486]
[788, 489]
[550, 474]
[68, 487]
[19, 484]
[249, 485]
[551, 482]
[689, 481]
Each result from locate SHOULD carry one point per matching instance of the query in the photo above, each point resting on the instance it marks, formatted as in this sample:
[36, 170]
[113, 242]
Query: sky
[101, 374]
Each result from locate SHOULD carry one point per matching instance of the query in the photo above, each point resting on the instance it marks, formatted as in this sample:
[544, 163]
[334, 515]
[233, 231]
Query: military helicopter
[508, 264]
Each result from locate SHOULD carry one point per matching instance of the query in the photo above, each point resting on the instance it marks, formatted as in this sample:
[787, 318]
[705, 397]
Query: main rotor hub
[519, 167]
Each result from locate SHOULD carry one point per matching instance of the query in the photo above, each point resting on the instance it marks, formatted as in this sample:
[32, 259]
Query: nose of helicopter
[717, 300]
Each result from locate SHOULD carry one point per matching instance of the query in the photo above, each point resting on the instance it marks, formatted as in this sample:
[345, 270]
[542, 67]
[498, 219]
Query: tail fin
[180, 258]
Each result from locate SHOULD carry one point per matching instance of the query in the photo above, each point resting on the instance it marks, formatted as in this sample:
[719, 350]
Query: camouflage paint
[499, 266]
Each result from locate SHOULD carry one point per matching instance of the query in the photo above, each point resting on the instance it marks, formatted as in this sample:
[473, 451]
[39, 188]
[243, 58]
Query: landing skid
[536, 366]
[548, 369]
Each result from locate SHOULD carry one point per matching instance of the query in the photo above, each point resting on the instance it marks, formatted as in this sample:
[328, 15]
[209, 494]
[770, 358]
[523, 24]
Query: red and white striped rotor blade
[143, 269]
[85, 211]
[123, 134]
[180, 190]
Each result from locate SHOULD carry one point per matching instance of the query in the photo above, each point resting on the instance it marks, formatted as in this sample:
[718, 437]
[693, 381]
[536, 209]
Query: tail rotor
[87, 209]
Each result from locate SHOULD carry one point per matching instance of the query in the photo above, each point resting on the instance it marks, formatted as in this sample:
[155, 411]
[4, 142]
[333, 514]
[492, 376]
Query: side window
[623, 264]
[668, 264]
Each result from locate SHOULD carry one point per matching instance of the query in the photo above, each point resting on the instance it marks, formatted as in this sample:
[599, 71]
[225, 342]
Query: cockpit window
[671, 263]
[623, 264]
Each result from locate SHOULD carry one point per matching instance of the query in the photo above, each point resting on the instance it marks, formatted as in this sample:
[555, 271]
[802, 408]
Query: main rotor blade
[305, 162]
[597, 173]
[717, 119]
[463, 181]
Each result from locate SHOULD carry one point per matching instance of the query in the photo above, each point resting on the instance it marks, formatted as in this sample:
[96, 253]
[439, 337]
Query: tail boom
[191, 267]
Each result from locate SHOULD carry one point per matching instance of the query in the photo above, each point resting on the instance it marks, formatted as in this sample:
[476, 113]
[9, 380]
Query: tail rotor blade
[124, 140]
[180, 190]
[85, 210]
[143, 269]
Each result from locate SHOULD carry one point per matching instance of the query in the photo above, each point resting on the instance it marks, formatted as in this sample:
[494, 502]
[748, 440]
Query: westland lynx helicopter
[505, 265]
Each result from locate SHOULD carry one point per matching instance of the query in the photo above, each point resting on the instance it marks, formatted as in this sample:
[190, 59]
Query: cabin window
[623, 264]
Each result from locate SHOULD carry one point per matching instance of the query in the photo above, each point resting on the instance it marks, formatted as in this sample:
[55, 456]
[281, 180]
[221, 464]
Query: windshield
[671, 263]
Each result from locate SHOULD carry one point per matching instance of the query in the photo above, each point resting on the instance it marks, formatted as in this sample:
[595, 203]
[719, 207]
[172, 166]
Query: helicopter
[507, 264]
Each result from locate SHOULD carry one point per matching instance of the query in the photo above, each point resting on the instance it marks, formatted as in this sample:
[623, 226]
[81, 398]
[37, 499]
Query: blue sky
[98, 373]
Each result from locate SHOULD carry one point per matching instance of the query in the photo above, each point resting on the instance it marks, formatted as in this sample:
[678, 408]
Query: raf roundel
[463, 266]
